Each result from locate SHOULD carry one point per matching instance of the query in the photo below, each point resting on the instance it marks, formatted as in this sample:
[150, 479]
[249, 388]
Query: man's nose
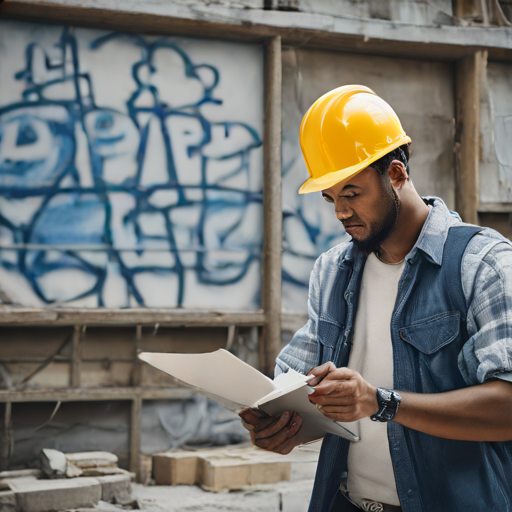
[342, 210]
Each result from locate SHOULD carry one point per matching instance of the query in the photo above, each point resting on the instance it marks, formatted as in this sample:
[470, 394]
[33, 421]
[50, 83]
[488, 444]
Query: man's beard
[389, 210]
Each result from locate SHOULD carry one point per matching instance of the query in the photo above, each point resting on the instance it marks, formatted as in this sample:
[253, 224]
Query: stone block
[92, 459]
[219, 473]
[176, 468]
[53, 495]
[116, 488]
[7, 501]
[21, 473]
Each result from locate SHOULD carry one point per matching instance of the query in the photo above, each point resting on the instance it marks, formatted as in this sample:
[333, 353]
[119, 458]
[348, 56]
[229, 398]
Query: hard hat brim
[332, 178]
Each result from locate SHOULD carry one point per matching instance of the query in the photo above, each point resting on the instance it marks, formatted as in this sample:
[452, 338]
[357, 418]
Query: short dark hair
[401, 154]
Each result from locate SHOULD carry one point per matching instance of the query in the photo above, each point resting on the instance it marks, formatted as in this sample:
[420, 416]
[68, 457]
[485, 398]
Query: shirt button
[409, 492]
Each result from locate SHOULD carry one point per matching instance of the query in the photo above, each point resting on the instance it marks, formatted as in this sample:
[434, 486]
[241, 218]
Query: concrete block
[7, 501]
[176, 468]
[116, 488]
[92, 459]
[21, 473]
[105, 471]
[52, 495]
[218, 473]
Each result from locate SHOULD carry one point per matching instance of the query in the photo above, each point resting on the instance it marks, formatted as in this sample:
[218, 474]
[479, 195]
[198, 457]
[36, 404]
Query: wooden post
[135, 435]
[137, 366]
[272, 210]
[467, 134]
[76, 358]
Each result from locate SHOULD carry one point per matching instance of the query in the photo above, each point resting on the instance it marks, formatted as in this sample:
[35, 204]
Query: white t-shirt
[370, 471]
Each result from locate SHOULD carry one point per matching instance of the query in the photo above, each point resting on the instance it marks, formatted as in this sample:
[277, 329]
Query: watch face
[386, 395]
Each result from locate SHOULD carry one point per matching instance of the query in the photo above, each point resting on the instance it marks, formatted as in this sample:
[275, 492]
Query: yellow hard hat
[345, 131]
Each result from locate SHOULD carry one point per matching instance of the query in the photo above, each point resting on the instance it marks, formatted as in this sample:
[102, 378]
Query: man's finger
[332, 400]
[287, 446]
[275, 427]
[340, 388]
[320, 372]
[289, 431]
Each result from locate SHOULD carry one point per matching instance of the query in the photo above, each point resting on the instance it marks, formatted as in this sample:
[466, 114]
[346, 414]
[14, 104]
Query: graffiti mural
[130, 169]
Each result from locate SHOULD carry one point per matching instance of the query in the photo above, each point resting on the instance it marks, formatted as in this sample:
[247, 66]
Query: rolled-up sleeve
[301, 354]
[487, 283]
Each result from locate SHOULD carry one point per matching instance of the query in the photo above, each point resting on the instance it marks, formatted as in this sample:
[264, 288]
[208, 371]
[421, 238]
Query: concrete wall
[496, 133]
[130, 169]
[422, 95]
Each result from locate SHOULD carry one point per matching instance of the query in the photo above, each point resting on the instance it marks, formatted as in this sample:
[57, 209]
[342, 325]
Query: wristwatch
[389, 402]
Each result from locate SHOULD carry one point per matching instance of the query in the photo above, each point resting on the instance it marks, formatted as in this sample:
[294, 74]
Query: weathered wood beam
[270, 342]
[135, 417]
[137, 363]
[10, 315]
[469, 74]
[444, 42]
[94, 394]
[76, 358]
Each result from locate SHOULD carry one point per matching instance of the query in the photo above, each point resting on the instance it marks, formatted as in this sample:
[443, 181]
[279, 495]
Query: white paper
[236, 385]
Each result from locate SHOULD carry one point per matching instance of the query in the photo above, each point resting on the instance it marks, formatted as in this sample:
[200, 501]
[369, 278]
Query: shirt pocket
[436, 343]
[329, 333]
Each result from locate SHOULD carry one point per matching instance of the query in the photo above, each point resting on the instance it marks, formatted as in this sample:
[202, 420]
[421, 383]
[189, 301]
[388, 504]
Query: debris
[217, 470]
[72, 471]
[92, 459]
[43, 495]
[7, 501]
[116, 489]
[145, 469]
[218, 473]
[176, 468]
[104, 471]
[21, 473]
[53, 463]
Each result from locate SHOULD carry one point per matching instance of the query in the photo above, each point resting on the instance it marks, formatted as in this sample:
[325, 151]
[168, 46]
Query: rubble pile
[66, 481]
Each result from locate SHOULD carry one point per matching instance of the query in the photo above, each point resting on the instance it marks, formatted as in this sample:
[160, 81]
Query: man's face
[367, 206]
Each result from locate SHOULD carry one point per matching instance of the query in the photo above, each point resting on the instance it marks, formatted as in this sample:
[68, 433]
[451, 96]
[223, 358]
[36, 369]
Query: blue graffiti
[195, 220]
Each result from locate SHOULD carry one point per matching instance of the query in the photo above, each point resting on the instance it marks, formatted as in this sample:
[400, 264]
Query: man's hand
[274, 433]
[342, 394]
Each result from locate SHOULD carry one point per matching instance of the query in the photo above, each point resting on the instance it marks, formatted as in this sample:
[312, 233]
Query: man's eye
[328, 199]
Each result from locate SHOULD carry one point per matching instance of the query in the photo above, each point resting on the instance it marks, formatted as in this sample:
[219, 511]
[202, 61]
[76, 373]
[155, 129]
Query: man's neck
[413, 214]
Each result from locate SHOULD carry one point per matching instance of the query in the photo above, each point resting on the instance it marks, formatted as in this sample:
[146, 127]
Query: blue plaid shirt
[487, 285]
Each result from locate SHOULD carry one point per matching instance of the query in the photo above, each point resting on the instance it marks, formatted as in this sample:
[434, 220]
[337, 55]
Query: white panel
[133, 157]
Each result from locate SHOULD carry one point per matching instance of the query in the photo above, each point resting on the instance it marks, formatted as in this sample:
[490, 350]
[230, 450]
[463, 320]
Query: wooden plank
[75, 360]
[55, 375]
[101, 394]
[145, 316]
[106, 374]
[272, 210]
[135, 435]
[495, 207]
[32, 344]
[467, 134]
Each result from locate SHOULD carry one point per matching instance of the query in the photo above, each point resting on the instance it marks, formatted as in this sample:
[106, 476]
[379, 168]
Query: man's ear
[397, 174]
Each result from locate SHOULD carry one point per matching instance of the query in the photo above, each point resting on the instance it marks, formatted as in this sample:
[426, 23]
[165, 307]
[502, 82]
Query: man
[409, 332]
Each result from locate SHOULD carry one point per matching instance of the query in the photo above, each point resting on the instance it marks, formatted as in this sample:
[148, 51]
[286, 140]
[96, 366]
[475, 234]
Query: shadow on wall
[125, 179]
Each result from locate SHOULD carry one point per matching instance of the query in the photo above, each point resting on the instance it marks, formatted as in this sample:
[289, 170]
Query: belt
[375, 506]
